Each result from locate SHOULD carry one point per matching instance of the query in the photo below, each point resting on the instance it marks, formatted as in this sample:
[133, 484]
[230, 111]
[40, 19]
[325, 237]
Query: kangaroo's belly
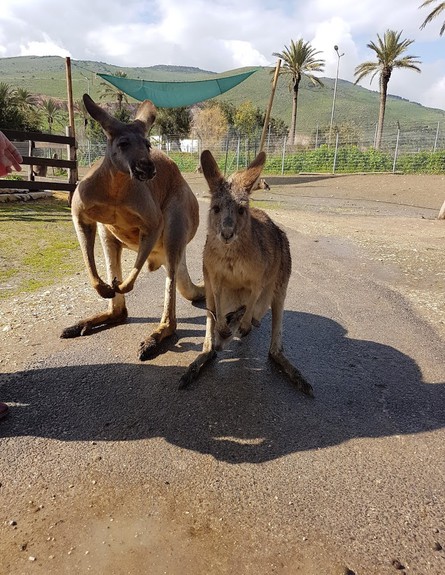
[130, 239]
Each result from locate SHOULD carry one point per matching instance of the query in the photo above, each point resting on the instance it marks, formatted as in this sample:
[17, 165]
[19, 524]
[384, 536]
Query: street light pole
[335, 92]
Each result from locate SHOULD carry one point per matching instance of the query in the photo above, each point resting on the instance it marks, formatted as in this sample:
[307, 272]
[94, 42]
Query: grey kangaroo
[247, 265]
[136, 198]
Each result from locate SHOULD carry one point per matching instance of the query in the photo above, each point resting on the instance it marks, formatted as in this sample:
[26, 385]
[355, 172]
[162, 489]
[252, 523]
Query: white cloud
[223, 34]
[244, 54]
[45, 48]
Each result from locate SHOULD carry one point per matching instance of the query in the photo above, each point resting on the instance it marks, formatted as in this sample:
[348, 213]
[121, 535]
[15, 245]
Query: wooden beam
[36, 185]
[20, 135]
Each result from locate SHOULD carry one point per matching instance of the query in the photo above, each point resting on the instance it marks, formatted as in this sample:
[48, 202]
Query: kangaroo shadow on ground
[241, 409]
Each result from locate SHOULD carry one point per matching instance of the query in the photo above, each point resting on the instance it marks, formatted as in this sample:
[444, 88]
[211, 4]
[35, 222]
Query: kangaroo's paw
[123, 287]
[244, 330]
[105, 291]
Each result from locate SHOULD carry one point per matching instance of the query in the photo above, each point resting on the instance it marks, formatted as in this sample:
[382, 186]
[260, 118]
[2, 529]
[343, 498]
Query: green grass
[38, 245]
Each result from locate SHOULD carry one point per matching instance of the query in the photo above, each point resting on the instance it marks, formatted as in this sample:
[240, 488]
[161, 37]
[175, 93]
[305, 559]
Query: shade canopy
[176, 94]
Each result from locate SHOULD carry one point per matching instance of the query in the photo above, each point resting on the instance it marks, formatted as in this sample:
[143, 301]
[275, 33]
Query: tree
[389, 56]
[13, 115]
[110, 92]
[298, 60]
[437, 10]
[174, 123]
[26, 103]
[52, 111]
[210, 125]
[246, 121]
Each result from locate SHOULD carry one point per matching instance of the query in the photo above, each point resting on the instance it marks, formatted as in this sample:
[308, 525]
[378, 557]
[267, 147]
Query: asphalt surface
[107, 468]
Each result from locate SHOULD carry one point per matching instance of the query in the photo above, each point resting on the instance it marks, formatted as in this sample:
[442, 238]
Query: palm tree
[24, 99]
[437, 10]
[53, 111]
[389, 56]
[298, 60]
[109, 91]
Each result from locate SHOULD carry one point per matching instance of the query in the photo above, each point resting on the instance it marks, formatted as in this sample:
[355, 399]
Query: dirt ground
[392, 217]
[389, 220]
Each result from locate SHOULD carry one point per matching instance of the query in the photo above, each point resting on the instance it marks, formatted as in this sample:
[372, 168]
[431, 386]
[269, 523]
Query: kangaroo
[247, 266]
[261, 185]
[136, 198]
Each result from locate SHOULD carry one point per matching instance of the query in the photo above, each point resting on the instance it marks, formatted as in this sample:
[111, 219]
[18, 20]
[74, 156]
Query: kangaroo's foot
[295, 376]
[86, 326]
[194, 368]
[158, 342]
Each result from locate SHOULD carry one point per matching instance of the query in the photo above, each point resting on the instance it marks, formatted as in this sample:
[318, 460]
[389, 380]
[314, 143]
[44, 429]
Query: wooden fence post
[72, 156]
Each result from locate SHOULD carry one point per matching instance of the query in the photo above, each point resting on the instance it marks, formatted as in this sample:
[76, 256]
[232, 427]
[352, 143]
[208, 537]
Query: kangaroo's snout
[143, 170]
[227, 235]
[228, 230]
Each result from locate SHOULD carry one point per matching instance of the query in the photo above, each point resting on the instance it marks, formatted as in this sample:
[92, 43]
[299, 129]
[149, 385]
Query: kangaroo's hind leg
[117, 310]
[174, 245]
[276, 351]
[208, 349]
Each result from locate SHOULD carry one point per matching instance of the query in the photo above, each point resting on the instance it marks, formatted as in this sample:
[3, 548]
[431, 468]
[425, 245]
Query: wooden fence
[25, 142]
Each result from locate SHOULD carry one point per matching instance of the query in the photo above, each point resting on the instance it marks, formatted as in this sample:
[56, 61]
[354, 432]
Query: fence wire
[419, 149]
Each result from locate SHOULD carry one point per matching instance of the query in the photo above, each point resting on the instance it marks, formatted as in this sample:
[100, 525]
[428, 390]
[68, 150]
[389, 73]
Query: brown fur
[247, 266]
[136, 198]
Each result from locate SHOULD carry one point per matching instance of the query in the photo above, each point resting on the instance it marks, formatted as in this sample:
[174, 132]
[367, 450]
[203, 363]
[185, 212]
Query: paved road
[107, 468]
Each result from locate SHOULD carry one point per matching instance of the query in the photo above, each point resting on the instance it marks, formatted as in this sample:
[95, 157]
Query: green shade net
[176, 94]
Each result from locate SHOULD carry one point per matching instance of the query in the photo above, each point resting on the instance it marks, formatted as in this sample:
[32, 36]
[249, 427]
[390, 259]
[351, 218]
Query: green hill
[354, 104]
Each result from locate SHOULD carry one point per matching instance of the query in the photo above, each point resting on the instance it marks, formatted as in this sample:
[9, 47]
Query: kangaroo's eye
[241, 210]
[123, 144]
[147, 143]
[216, 209]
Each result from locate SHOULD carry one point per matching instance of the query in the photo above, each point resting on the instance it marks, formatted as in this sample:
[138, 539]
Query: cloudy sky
[220, 35]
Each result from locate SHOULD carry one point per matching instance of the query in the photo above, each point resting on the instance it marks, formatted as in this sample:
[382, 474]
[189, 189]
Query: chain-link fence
[418, 149]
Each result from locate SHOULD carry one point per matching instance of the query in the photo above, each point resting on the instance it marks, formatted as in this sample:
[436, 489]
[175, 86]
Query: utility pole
[335, 92]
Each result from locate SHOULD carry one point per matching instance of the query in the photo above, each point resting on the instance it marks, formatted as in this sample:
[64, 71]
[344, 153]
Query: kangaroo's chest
[126, 223]
[230, 272]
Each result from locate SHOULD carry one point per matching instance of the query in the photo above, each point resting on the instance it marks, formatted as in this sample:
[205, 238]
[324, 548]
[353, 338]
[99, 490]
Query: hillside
[354, 104]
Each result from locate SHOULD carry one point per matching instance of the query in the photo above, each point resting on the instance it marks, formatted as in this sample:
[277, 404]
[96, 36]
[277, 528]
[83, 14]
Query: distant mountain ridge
[46, 75]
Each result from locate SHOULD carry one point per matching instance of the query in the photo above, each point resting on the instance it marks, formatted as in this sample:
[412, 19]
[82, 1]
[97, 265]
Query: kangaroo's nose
[227, 234]
[144, 170]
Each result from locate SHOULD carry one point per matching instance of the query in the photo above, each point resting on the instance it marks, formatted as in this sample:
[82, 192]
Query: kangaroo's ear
[250, 175]
[210, 170]
[108, 123]
[146, 114]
